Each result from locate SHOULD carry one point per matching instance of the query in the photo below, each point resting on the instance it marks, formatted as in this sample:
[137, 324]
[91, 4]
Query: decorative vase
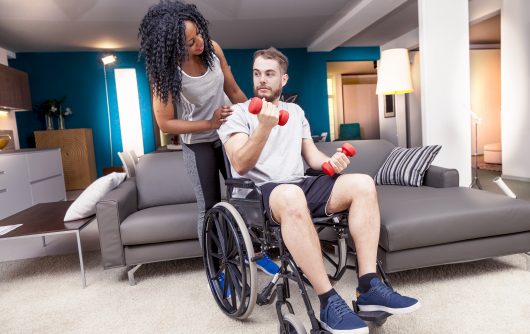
[49, 122]
[61, 122]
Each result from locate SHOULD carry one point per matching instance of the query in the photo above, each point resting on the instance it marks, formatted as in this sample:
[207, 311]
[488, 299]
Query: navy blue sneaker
[221, 280]
[268, 266]
[382, 298]
[338, 318]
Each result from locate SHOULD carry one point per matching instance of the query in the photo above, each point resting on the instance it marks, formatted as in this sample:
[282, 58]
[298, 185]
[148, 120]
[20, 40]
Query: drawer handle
[45, 178]
[2, 172]
[3, 190]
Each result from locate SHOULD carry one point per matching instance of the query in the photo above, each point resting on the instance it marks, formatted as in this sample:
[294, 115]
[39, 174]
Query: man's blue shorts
[317, 190]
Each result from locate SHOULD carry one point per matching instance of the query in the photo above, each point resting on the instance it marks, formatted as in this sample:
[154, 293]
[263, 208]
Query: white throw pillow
[85, 205]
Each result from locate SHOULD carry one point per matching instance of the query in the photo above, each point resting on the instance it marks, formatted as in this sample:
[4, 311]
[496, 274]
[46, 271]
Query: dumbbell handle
[255, 108]
[347, 149]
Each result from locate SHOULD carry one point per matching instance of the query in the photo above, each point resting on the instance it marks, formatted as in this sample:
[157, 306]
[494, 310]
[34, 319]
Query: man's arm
[244, 150]
[315, 158]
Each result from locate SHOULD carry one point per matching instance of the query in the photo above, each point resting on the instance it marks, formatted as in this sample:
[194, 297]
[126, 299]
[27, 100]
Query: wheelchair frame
[232, 228]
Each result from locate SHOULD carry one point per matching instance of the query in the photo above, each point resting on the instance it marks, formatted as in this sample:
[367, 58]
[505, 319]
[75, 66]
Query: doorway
[352, 98]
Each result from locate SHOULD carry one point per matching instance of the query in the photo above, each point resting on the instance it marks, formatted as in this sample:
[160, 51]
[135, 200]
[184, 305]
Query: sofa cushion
[162, 179]
[369, 157]
[406, 166]
[425, 216]
[85, 205]
[160, 224]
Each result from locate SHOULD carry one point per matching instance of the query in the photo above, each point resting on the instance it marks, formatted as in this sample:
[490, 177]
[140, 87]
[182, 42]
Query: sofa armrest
[440, 177]
[111, 211]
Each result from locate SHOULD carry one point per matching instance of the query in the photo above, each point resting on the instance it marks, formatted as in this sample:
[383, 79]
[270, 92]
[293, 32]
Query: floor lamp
[393, 75]
[106, 61]
[476, 182]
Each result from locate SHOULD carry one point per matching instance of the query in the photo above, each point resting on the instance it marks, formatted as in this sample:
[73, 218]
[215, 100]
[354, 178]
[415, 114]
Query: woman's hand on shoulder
[219, 117]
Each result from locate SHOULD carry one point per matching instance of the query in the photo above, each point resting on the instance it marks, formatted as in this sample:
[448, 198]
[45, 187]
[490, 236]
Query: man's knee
[359, 184]
[288, 199]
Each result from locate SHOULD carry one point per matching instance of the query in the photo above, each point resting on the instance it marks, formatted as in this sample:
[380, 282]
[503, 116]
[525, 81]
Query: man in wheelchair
[271, 156]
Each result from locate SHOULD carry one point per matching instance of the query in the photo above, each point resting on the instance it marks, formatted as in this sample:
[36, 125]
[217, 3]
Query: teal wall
[79, 77]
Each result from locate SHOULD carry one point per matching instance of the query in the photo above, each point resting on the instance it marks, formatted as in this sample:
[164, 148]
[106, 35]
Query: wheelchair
[235, 228]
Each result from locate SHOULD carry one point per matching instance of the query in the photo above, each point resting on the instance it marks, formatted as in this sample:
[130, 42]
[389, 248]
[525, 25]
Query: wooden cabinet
[77, 151]
[29, 177]
[14, 89]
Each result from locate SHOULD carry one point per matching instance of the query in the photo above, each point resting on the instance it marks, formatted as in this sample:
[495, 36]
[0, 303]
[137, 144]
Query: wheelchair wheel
[227, 248]
[292, 325]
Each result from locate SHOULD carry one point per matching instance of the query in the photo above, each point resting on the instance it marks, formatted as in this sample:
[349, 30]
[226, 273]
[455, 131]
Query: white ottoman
[493, 153]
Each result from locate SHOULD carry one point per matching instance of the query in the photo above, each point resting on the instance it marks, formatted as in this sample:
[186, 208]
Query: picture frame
[390, 110]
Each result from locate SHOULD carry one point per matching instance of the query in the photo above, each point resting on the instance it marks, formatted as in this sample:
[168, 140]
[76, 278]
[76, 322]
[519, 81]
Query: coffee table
[46, 219]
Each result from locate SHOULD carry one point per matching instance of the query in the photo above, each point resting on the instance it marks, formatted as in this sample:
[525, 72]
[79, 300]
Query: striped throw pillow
[407, 166]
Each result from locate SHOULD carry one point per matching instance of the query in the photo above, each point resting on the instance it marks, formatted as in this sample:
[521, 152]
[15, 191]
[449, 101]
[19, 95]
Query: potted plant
[53, 108]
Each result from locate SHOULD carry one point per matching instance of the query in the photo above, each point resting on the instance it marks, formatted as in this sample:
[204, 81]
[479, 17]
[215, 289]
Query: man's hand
[219, 117]
[269, 115]
[339, 161]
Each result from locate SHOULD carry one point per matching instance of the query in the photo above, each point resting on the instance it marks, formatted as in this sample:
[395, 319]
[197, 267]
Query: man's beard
[269, 98]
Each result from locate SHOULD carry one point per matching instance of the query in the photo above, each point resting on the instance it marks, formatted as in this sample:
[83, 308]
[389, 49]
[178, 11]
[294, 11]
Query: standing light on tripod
[110, 59]
[477, 120]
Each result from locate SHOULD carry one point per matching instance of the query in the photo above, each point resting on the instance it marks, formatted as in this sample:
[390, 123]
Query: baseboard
[515, 178]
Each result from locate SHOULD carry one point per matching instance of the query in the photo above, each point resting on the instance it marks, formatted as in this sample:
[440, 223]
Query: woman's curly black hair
[163, 45]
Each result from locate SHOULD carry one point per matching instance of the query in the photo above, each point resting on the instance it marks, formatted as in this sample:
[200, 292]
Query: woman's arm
[231, 88]
[165, 118]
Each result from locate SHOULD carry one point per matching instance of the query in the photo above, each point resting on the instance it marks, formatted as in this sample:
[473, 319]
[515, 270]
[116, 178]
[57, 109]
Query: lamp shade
[393, 76]
[108, 59]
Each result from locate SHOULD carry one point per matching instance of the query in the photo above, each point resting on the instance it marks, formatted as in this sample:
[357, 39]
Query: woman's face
[194, 41]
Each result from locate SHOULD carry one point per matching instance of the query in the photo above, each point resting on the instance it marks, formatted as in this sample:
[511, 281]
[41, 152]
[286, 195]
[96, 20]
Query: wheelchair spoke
[230, 283]
[236, 279]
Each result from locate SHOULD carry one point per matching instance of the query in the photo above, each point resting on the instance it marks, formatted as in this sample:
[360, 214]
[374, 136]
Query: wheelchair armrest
[313, 172]
[240, 183]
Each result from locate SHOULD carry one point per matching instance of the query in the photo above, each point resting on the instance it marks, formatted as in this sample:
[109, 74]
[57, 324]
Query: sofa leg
[131, 272]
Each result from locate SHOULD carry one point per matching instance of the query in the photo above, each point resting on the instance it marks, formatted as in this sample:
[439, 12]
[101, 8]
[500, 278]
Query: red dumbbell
[347, 149]
[255, 107]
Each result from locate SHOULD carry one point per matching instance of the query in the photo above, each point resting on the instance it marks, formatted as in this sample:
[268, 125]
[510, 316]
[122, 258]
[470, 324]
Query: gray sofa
[440, 222]
[152, 217]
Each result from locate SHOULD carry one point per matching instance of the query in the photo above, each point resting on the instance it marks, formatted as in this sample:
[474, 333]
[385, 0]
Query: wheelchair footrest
[373, 316]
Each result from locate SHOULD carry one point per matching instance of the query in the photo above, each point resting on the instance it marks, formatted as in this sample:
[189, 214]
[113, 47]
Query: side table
[47, 219]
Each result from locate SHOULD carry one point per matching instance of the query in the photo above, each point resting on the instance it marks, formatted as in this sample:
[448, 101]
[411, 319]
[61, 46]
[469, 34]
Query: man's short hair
[275, 54]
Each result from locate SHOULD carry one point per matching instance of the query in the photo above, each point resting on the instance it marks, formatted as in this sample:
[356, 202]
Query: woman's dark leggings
[203, 162]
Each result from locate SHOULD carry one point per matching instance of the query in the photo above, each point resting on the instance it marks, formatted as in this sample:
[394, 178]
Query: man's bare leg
[357, 193]
[289, 207]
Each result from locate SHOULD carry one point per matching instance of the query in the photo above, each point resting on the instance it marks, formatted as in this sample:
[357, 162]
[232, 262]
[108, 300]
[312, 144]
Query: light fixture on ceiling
[110, 59]
[393, 76]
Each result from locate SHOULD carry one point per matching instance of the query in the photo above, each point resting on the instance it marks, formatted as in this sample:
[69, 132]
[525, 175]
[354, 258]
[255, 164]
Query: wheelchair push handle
[348, 150]
[255, 108]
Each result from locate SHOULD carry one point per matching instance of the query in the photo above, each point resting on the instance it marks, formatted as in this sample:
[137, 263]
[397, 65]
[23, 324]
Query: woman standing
[190, 79]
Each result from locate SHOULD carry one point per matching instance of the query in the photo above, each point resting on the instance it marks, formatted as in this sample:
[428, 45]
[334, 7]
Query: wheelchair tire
[226, 247]
[293, 325]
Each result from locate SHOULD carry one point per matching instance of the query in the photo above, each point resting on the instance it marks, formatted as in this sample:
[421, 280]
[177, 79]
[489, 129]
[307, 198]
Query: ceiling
[95, 25]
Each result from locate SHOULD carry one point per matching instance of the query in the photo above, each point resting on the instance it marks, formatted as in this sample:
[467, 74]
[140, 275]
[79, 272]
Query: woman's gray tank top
[200, 97]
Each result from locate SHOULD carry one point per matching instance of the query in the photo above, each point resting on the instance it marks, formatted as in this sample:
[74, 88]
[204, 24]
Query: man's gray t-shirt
[281, 158]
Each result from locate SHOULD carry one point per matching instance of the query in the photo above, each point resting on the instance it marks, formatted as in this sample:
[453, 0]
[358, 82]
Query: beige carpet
[45, 296]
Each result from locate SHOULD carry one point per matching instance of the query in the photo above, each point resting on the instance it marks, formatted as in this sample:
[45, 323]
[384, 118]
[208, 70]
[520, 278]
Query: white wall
[444, 61]
[414, 103]
[387, 126]
[515, 83]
